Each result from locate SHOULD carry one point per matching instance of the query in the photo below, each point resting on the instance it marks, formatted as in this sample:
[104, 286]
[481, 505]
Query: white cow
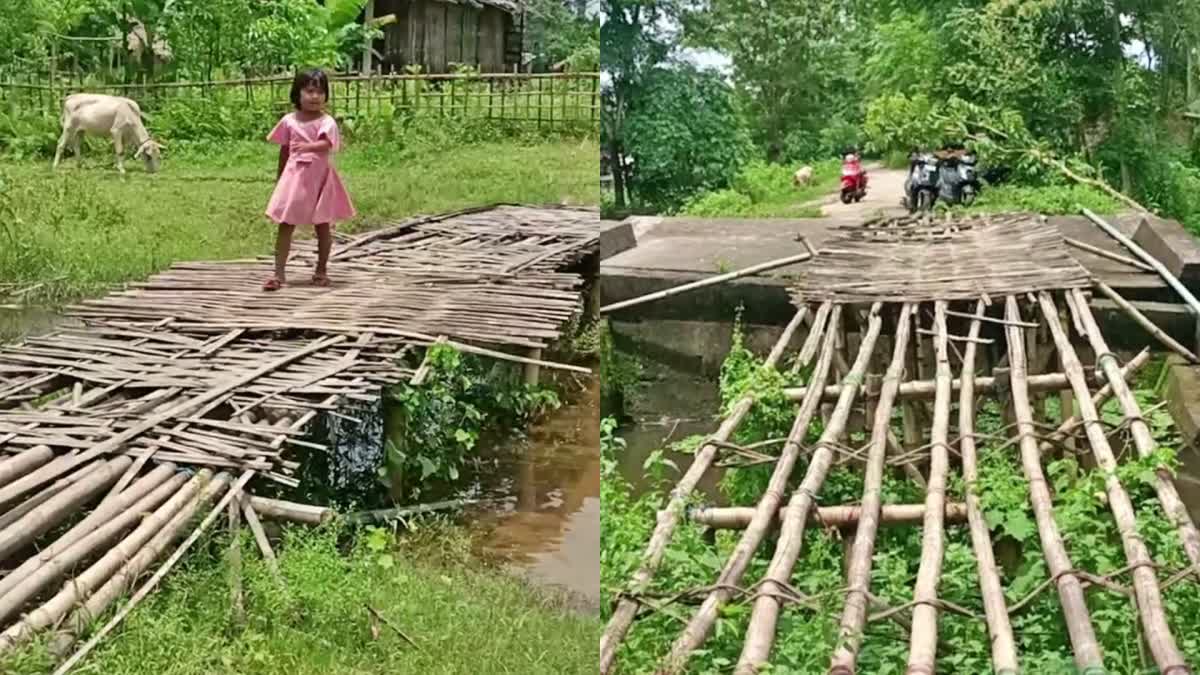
[803, 176]
[113, 115]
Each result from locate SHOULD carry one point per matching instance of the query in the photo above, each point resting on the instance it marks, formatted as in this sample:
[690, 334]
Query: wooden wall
[436, 34]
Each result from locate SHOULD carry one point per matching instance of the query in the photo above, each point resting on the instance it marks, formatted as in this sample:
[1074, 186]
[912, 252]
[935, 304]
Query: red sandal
[272, 284]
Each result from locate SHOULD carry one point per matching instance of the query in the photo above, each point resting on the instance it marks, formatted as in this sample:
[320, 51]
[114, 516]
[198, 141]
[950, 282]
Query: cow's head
[150, 152]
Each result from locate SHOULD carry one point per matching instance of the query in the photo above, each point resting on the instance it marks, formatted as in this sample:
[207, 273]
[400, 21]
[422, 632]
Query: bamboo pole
[737, 517]
[151, 583]
[764, 513]
[623, 616]
[52, 611]
[710, 281]
[260, 537]
[858, 574]
[103, 514]
[1164, 485]
[925, 389]
[1083, 246]
[1158, 333]
[23, 462]
[923, 637]
[1098, 399]
[12, 601]
[1004, 651]
[237, 605]
[1157, 633]
[760, 634]
[61, 506]
[1150, 260]
[1070, 592]
[278, 509]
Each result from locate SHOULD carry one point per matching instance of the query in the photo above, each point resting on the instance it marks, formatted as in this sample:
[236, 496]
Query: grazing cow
[113, 115]
[803, 176]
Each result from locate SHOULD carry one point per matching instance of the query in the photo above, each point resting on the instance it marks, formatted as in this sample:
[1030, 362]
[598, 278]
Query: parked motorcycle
[854, 179]
[958, 180]
[921, 185]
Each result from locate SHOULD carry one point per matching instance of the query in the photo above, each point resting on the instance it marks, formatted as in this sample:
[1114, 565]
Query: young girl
[308, 191]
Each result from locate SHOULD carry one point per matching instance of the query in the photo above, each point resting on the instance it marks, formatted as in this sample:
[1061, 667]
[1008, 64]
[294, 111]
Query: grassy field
[84, 229]
[463, 619]
[763, 190]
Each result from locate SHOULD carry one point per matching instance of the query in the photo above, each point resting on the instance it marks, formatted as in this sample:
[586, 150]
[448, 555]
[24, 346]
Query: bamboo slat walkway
[183, 388]
[976, 282]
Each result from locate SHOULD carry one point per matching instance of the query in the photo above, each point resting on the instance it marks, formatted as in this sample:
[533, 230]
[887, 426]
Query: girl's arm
[323, 145]
[283, 158]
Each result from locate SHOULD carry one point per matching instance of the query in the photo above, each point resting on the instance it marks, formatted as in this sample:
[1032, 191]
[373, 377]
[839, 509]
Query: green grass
[85, 229]
[464, 619]
[1047, 200]
[765, 191]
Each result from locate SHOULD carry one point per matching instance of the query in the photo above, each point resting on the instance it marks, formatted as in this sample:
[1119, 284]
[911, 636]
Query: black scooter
[958, 178]
[921, 186]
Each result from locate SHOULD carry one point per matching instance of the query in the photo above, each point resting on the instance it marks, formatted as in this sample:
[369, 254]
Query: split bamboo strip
[710, 281]
[738, 517]
[126, 500]
[31, 481]
[60, 507]
[1158, 333]
[12, 601]
[765, 512]
[23, 462]
[760, 634]
[1164, 485]
[1084, 246]
[1155, 629]
[1070, 592]
[858, 566]
[82, 586]
[922, 655]
[627, 606]
[1004, 650]
[150, 584]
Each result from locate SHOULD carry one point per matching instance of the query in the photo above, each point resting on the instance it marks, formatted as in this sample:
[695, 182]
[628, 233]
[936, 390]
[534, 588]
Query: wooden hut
[435, 34]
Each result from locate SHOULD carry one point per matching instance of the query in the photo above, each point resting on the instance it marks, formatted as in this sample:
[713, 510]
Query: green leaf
[428, 468]
[1018, 525]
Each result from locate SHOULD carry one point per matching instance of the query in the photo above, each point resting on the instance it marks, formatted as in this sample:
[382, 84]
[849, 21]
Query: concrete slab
[1183, 398]
[615, 237]
[1172, 245]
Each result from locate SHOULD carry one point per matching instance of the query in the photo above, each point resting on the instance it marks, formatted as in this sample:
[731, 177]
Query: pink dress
[309, 190]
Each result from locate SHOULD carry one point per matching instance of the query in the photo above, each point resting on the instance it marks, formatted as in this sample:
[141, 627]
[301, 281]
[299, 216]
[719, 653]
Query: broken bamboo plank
[278, 509]
[710, 281]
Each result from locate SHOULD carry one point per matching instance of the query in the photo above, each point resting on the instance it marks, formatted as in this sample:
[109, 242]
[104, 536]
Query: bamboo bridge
[177, 396]
[902, 315]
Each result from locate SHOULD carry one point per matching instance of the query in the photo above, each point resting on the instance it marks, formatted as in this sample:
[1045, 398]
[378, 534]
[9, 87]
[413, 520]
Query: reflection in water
[549, 525]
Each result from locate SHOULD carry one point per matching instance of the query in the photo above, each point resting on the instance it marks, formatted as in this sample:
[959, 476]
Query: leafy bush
[1049, 200]
[764, 190]
[440, 421]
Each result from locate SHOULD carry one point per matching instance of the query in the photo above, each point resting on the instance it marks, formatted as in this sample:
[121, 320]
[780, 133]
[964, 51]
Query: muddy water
[672, 406]
[548, 485]
[19, 322]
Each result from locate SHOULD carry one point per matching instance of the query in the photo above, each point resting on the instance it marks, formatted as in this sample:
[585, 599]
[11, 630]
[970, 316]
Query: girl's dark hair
[315, 77]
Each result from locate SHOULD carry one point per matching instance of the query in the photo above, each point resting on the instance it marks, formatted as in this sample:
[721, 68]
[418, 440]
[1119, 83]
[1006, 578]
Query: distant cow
[803, 176]
[115, 116]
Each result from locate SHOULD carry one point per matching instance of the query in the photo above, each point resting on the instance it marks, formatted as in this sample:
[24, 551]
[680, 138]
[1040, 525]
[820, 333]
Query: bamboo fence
[546, 100]
[1003, 318]
[176, 392]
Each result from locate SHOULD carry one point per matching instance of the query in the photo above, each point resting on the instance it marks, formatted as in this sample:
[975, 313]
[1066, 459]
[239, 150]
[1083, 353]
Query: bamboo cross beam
[626, 609]
[711, 281]
[1070, 591]
[738, 517]
[1150, 607]
[925, 389]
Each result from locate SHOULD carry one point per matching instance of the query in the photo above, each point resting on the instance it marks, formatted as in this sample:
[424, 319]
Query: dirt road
[885, 187]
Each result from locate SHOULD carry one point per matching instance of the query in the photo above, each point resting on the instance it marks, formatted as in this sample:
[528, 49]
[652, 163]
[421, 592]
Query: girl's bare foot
[320, 279]
[272, 284]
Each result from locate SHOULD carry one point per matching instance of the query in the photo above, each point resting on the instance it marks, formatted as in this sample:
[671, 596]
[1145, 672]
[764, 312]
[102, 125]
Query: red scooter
[854, 179]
